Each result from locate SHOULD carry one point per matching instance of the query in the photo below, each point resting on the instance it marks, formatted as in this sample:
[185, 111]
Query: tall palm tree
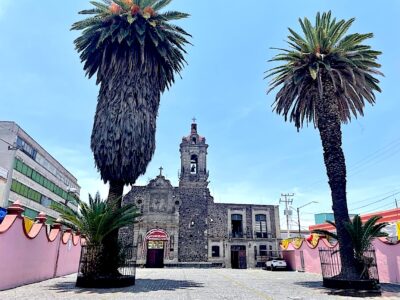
[134, 50]
[325, 78]
[361, 236]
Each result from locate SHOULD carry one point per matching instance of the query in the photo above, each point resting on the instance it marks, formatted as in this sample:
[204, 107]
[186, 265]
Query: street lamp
[298, 214]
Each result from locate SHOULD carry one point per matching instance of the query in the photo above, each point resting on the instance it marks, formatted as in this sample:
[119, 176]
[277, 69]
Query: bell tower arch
[193, 149]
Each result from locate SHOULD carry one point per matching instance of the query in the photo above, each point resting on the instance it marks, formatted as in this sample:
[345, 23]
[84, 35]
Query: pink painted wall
[387, 256]
[27, 257]
[70, 252]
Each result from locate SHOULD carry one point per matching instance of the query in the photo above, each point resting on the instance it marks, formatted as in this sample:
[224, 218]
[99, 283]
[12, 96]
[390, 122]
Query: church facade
[184, 226]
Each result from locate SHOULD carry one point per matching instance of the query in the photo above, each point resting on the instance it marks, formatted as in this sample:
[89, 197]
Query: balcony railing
[236, 235]
[250, 235]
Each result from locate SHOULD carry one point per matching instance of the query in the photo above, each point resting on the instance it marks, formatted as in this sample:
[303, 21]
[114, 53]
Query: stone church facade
[184, 226]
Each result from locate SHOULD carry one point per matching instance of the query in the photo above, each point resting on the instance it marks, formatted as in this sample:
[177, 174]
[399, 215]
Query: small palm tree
[98, 218]
[98, 221]
[134, 50]
[325, 78]
[362, 236]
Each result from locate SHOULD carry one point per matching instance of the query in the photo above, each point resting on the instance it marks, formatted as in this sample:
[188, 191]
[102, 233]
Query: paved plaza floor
[191, 284]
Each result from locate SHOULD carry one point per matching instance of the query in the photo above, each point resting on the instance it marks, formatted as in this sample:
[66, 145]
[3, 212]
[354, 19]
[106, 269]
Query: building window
[260, 226]
[215, 251]
[193, 164]
[26, 148]
[45, 201]
[193, 140]
[25, 191]
[40, 179]
[237, 225]
[263, 250]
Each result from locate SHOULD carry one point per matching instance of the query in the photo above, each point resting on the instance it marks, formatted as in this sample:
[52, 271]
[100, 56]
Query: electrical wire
[377, 196]
[380, 200]
[371, 158]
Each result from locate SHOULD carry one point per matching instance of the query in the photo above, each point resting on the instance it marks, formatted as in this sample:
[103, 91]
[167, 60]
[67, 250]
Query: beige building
[30, 174]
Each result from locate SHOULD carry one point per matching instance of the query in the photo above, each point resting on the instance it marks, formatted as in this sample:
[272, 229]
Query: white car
[275, 264]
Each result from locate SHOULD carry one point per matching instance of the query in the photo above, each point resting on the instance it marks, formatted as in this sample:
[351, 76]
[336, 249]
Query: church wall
[192, 244]
[191, 219]
[159, 205]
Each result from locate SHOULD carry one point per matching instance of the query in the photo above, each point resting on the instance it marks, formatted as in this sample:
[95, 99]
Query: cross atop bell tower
[193, 149]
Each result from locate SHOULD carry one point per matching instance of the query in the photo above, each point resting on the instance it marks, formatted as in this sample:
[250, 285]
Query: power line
[377, 196]
[373, 162]
[378, 208]
[372, 156]
[380, 200]
[358, 166]
[6, 142]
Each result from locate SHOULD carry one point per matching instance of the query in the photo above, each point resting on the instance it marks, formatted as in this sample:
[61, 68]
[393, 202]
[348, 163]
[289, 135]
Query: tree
[361, 236]
[134, 51]
[97, 221]
[325, 78]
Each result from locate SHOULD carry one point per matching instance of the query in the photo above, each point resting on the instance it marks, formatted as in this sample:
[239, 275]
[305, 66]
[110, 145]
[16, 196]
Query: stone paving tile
[193, 284]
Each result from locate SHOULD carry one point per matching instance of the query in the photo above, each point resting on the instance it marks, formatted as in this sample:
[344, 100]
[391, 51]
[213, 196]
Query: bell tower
[193, 149]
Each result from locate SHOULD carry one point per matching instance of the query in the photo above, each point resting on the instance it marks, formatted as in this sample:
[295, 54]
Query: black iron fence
[102, 268]
[331, 265]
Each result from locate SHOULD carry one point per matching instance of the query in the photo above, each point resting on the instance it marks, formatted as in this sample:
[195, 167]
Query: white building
[30, 174]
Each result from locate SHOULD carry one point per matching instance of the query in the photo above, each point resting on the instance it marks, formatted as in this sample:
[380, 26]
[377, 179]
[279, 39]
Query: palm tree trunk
[328, 124]
[115, 192]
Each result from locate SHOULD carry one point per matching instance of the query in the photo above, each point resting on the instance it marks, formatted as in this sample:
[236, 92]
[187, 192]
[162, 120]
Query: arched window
[194, 140]
[260, 226]
[193, 164]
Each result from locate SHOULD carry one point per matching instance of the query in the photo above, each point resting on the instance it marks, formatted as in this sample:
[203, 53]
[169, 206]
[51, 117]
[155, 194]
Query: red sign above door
[157, 235]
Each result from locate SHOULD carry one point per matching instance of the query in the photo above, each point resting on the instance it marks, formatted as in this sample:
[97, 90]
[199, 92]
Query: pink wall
[27, 257]
[387, 256]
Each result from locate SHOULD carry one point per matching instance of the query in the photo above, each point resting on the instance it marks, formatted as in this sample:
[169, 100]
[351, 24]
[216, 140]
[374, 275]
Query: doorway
[238, 257]
[155, 254]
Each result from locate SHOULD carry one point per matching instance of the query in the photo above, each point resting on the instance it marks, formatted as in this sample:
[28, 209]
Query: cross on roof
[194, 120]
[161, 168]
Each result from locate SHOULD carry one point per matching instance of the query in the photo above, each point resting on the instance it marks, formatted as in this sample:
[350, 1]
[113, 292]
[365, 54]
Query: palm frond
[324, 55]
[97, 219]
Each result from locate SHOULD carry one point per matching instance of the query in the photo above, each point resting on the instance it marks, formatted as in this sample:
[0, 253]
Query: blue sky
[254, 156]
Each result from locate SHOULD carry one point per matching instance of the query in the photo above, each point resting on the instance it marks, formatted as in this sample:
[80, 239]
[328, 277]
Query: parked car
[275, 263]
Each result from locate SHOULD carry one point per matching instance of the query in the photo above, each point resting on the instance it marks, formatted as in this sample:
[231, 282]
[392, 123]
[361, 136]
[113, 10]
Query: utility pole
[298, 214]
[288, 213]
[298, 221]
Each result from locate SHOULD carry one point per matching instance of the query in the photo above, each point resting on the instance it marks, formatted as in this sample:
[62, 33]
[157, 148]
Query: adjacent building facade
[30, 174]
[183, 225]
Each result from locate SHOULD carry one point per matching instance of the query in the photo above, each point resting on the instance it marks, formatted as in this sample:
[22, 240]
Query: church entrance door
[238, 257]
[155, 254]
